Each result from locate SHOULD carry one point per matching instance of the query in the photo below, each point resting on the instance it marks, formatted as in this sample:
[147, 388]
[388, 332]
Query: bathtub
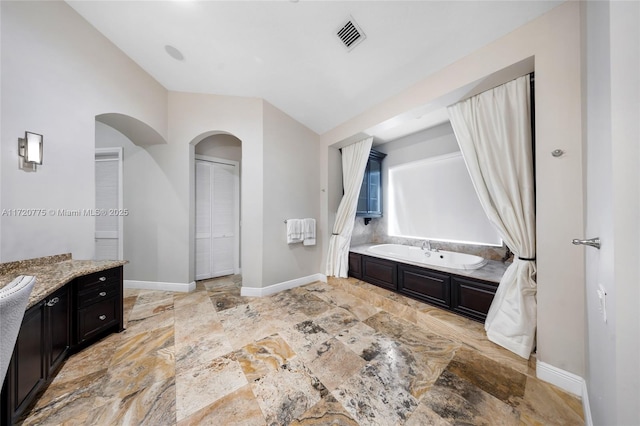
[446, 259]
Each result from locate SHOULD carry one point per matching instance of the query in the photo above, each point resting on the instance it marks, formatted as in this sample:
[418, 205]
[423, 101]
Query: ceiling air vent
[351, 34]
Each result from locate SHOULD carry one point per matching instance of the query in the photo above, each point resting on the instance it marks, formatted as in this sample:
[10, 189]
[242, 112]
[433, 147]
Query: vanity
[465, 292]
[73, 304]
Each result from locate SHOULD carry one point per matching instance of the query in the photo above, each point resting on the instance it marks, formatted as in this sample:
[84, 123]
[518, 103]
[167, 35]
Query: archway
[216, 209]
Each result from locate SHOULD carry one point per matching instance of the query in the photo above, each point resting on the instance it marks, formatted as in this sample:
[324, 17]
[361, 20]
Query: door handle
[592, 242]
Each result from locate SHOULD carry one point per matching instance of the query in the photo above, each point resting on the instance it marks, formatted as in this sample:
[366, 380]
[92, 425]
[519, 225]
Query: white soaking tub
[446, 259]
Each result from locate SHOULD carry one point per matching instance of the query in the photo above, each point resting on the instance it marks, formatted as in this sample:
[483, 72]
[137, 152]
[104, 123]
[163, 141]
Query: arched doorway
[116, 133]
[217, 206]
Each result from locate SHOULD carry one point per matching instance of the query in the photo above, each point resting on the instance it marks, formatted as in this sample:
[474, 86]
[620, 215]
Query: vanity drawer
[96, 318]
[96, 293]
[97, 279]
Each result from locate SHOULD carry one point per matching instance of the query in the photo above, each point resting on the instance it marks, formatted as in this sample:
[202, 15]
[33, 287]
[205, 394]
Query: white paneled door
[109, 221]
[217, 218]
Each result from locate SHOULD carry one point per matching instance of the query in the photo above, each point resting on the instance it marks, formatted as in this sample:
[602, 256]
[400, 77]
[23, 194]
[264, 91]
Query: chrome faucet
[426, 245]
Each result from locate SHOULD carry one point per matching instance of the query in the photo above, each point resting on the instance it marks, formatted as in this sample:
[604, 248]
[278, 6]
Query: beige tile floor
[342, 353]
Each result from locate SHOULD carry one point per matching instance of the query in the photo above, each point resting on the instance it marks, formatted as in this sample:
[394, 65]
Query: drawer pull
[102, 278]
[53, 301]
[102, 293]
[102, 317]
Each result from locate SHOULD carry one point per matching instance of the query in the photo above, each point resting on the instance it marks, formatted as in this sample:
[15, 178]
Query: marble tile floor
[337, 353]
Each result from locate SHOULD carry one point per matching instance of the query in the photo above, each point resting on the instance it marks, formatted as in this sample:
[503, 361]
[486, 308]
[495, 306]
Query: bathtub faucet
[426, 245]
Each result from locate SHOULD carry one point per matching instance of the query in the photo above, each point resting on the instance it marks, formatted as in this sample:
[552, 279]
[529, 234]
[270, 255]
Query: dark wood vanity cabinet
[466, 296]
[27, 373]
[370, 198]
[42, 345]
[99, 304]
[58, 327]
[74, 316]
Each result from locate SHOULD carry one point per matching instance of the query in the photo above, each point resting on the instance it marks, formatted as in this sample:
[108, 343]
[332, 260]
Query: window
[434, 199]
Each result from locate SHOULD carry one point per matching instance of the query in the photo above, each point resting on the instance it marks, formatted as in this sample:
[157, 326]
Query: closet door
[203, 220]
[216, 218]
[108, 236]
[223, 220]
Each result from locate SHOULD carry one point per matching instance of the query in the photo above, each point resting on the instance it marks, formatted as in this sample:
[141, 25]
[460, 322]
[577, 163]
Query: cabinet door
[380, 272]
[374, 182]
[425, 285]
[472, 298]
[58, 314]
[27, 370]
[363, 197]
[370, 198]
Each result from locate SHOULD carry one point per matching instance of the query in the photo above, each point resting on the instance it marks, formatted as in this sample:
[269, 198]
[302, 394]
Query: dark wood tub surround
[72, 305]
[442, 287]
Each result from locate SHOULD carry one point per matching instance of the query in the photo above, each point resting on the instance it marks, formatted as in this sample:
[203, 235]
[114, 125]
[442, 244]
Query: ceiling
[288, 53]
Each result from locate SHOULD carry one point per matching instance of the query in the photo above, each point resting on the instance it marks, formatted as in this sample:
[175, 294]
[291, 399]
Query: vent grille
[351, 34]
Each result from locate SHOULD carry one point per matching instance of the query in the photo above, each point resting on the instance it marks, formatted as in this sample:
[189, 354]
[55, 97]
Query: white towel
[295, 232]
[309, 225]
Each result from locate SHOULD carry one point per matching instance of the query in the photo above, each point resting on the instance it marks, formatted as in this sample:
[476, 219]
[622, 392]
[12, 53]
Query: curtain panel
[354, 163]
[493, 130]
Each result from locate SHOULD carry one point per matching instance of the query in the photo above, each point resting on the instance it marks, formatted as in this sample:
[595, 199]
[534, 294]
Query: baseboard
[160, 285]
[588, 420]
[569, 382]
[286, 285]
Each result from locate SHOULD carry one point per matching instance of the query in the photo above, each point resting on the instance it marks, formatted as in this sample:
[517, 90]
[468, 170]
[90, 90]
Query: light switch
[602, 298]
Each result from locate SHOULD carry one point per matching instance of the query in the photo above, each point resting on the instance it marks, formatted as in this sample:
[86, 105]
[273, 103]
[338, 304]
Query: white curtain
[494, 133]
[354, 163]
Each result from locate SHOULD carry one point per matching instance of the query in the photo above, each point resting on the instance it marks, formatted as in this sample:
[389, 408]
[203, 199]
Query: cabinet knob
[102, 278]
[102, 317]
[53, 301]
[102, 293]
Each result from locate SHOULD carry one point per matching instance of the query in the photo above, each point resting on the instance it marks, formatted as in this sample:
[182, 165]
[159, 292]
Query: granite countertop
[492, 271]
[52, 272]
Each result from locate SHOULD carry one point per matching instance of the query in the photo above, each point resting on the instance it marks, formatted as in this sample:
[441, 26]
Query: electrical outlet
[602, 298]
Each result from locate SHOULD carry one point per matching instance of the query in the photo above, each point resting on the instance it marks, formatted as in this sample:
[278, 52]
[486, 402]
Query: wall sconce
[30, 149]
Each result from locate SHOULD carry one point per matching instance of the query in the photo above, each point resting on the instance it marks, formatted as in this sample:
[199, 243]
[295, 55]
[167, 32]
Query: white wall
[143, 184]
[51, 54]
[554, 41]
[612, 65]
[438, 140]
[599, 214]
[291, 190]
[625, 137]
[58, 73]
[193, 117]
[221, 146]
[276, 179]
